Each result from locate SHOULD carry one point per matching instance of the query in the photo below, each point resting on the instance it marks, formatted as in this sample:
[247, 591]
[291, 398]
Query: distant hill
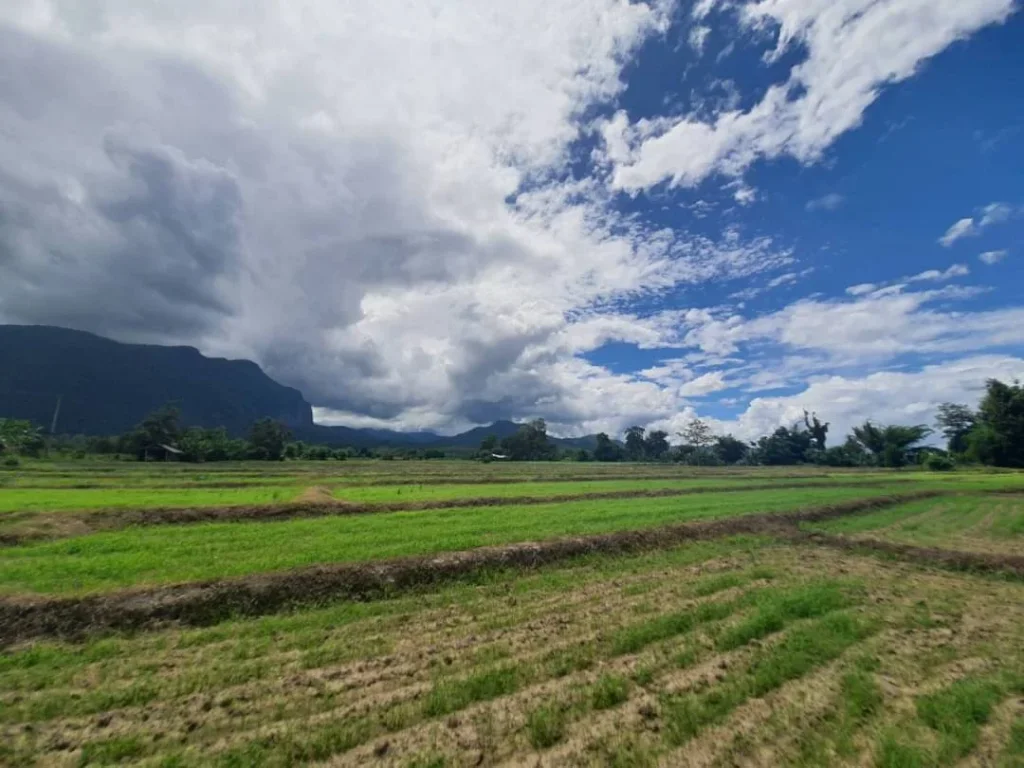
[107, 387]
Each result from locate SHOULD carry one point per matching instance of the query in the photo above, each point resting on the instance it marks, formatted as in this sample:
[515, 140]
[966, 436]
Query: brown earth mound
[208, 602]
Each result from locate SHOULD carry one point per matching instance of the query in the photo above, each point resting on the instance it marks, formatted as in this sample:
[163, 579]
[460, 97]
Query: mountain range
[106, 387]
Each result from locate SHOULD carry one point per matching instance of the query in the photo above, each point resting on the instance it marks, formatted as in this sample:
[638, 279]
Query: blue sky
[430, 215]
[930, 151]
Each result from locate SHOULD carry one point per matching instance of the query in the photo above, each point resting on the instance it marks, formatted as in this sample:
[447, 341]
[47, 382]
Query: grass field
[767, 648]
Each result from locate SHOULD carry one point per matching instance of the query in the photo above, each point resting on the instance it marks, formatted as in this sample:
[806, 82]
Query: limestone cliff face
[108, 387]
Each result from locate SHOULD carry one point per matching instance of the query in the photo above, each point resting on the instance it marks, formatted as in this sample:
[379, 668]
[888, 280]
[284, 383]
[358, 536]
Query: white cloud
[993, 213]
[936, 275]
[368, 198]
[861, 289]
[855, 47]
[704, 385]
[324, 188]
[870, 329]
[829, 202]
[698, 38]
[993, 257]
[893, 397]
[959, 229]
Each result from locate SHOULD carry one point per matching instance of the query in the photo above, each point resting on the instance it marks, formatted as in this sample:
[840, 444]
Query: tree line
[990, 434]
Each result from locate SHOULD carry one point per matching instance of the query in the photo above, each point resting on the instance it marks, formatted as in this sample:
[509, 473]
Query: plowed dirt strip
[26, 527]
[209, 602]
[954, 559]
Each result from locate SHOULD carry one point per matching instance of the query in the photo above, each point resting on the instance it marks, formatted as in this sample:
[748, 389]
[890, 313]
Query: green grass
[609, 691]
[452, 695]
[939, 522]
[61, 499]
[801, 650]
[776, 609]
[169, 554]
[957, 713]
[545, 726]
[948, 724]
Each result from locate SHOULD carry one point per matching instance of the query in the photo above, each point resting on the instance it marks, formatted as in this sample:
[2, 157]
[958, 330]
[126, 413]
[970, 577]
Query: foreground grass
[162, 555]
[727, 648]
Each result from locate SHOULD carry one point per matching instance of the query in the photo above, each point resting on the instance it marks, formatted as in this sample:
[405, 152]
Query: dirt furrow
[954, 559]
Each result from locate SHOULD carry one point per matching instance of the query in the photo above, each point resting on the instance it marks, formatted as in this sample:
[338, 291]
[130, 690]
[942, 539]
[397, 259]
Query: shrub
[939, 463]
[11, 462]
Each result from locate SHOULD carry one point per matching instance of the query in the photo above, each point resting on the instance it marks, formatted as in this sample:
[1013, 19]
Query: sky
[433, 214]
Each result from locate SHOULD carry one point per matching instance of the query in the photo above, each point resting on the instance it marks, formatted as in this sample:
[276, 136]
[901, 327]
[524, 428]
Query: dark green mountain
[106, 387]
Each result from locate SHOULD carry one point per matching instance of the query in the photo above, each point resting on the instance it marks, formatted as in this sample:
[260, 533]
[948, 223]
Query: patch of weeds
[609, 691]
[720, 583]
[893, 751]
[643, 676]
[565, 662]
[642, 588]
[491, 653]
[861, 695]
[629, 752]
[776, 609]
[686, 658]
[319, 743]
[802, 650]
[958, 711]
[397, 718]
[110, 751]
[1013, 755]
[545, 726]
[449, 696]
[636, 637]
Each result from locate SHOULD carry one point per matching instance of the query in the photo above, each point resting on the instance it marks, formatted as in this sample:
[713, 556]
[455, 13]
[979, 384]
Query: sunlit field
[453, 613]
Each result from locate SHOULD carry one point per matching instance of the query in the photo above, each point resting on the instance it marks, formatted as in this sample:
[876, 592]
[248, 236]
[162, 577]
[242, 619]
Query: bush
[939, 463]
[11, 462]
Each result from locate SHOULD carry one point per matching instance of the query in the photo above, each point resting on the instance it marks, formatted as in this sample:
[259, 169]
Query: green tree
[635, 443]
[785, 446]
[267, 439]
[890, 445]
[605, 449]
[20, 436]
[489, 444]
[656, 445]
[998, 436]
[849, 454]
[698, 435]
[730, 450]
[161, 427]
[955, 421]
[530, 443]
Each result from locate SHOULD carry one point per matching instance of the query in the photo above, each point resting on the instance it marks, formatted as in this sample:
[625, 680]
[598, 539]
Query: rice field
[554, 615]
